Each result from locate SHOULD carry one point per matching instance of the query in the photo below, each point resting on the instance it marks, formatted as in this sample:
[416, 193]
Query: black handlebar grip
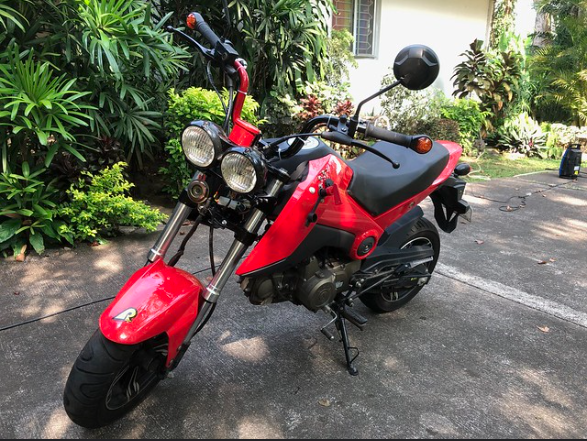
[387, 135]
[204, 29]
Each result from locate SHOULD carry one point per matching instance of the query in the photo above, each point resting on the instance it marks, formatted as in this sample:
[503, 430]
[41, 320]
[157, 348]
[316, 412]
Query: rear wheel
[109, 379]
[388, 298]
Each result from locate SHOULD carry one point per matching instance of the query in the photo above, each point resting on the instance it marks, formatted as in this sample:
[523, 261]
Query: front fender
[157, 299]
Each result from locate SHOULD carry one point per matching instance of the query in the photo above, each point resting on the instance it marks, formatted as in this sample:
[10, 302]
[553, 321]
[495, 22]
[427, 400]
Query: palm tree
[559, 69]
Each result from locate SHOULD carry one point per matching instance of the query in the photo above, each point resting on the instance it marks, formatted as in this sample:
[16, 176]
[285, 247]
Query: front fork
[227, 268]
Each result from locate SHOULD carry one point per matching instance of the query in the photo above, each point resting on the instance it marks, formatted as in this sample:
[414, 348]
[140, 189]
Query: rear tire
[388, 299]
[108, 379]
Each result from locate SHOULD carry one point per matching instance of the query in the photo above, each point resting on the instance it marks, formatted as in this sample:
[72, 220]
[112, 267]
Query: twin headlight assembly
[205, 145]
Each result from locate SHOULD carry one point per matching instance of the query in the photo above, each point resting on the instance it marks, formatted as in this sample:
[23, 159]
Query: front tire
[108, 379]
[389, 298]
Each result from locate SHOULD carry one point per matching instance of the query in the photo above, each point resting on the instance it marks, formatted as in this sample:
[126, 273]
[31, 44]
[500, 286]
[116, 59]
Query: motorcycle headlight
[242, 170]
[201, 143]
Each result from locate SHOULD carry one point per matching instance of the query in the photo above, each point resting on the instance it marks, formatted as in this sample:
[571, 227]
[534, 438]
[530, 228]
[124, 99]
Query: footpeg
[327, 334]
[355, 318]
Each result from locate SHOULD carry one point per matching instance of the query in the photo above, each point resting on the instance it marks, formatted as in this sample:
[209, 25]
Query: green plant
[116, 52]
[492, 77]
[440, 129]
[135, 62]
[285, 41]
[503, 23]
[560, 136]
[560, 68]
[196, 103]
[470, 119]
[522, 134]
[406, 110]
[28, 215]
[41, 109]
[10, 16]
[340, 60]
[177, 172]
[99, 208]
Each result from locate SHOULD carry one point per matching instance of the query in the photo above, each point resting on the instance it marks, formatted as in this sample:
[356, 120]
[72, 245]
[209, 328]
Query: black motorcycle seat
[378, 187]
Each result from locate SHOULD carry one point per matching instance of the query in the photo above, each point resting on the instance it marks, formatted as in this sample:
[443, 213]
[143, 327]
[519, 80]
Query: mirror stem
[354, 121]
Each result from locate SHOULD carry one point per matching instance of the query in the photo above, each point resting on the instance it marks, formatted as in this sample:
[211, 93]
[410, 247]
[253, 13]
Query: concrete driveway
[494, 347]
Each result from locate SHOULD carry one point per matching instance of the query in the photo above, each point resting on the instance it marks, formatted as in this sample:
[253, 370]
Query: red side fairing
[338, 211]
[157, 299]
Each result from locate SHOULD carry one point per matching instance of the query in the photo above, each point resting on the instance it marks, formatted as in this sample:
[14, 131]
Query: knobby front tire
[108, 379]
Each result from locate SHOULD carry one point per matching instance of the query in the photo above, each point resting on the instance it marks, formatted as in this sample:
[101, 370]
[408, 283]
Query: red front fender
[157, 299]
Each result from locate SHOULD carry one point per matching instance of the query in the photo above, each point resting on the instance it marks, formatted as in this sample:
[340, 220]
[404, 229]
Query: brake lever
[341, 138]
[208, 53]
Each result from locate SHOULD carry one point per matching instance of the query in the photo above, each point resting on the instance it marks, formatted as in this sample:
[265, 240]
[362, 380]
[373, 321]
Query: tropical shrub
[284, 41]
[196, 103]
[560, 136]
[492, 77]
[559, 69]
[340, 60]
[406, 109]
[113, 50]
[440, 129]
[41, 111]
[522, 134]
[319, 98]
[503, 23]
[99, 208]
[470, 119]
[10, 17]
[28, 215]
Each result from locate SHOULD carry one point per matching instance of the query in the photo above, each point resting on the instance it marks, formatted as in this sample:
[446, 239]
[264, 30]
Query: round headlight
[200, 144]
[242, 171]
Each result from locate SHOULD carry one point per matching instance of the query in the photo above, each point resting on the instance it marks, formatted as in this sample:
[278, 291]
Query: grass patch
[492, 164]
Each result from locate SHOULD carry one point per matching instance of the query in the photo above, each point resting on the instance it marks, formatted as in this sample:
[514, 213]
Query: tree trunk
[542, 27]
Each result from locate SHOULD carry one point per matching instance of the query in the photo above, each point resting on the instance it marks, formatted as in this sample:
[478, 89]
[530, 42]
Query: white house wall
[447, 26]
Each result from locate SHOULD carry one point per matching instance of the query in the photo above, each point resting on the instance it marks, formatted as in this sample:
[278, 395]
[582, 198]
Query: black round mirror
[416, 66]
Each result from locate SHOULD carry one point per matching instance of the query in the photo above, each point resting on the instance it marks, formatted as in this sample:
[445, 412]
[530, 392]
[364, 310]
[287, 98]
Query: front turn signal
[192, 21]
[421, 144]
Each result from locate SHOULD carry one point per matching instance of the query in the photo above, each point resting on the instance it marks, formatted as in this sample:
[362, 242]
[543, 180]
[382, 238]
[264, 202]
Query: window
[358, 17]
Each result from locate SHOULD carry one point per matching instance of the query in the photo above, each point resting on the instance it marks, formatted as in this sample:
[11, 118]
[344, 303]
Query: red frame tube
[243, 133]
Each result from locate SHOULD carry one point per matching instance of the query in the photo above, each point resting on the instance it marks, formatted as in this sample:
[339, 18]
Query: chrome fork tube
[177, 219]
[179, 216]
[229, 264]
[237, 250]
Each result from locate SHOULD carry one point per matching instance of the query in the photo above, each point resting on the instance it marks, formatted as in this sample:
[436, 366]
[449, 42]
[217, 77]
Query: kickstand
[344, 338]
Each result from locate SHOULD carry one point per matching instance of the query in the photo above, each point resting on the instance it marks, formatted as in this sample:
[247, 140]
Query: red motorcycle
[334, 231]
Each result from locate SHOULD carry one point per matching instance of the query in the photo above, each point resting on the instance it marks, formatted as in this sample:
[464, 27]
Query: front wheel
[109, 379]
[388, 298]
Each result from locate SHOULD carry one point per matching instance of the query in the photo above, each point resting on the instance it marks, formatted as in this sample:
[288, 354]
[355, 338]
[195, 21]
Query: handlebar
[339, 134]
[372, 131]
[196, 22]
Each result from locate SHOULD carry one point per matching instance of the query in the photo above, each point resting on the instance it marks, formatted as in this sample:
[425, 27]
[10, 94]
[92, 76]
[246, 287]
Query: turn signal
[422, 145]
[192, 21]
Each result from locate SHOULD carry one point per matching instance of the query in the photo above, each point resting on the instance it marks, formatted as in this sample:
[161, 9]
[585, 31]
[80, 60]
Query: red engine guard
[157, 299]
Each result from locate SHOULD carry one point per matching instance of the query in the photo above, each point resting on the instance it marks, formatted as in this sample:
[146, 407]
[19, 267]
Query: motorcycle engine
[313, 285]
